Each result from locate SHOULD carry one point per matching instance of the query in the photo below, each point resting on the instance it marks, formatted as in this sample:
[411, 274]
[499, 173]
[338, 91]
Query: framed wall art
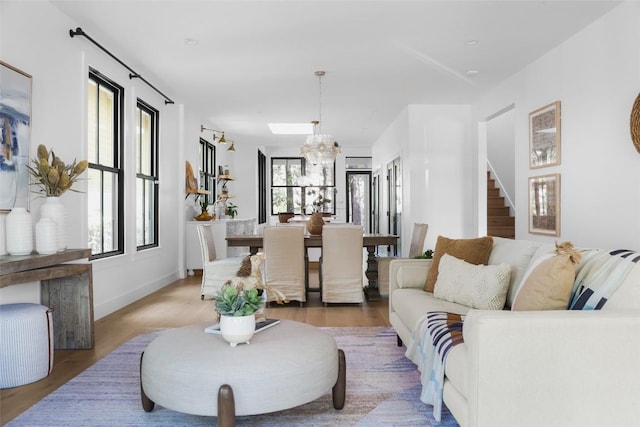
[544, 205]
[544, 136]
[15, 136]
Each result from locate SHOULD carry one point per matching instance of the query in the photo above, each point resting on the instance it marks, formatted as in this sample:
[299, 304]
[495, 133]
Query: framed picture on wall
[15, 136]
[544, 136]
[544, 205]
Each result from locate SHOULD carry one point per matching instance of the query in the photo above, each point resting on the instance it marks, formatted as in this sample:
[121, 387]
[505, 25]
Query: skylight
[291, 128]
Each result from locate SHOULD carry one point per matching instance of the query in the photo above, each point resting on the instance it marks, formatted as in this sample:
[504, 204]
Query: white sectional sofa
[532, 368]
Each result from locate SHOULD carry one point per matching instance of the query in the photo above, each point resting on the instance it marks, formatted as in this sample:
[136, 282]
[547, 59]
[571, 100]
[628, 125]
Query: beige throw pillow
[547, 284]
[477, 286]
[473, 251]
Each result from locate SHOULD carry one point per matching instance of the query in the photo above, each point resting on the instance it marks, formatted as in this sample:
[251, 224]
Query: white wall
[596, 76]
[35, 38]
[501, 152]
[438, 167]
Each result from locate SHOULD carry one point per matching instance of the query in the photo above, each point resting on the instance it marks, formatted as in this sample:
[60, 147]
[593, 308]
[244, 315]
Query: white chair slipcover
[215, 272]
[341, 268]
[284, 264]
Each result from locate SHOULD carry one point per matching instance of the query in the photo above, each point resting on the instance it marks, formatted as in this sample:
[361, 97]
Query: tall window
[146, 176]
[297, 186]
[105, 175]
[208, 169]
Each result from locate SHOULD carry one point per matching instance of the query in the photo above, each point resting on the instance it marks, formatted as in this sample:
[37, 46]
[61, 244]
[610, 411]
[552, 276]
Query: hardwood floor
[176, 305]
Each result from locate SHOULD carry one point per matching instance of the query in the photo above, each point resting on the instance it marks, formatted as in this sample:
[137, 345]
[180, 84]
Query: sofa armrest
[569, 368]
[407, 273]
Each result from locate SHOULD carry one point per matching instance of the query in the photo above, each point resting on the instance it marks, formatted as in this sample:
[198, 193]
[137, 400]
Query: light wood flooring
[176, 305]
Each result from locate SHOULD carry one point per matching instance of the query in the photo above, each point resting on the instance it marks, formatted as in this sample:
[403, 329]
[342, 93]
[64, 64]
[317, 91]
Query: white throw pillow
[477, 286]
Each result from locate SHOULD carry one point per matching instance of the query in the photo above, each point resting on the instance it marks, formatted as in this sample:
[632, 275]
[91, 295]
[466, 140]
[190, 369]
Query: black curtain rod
[133, 74]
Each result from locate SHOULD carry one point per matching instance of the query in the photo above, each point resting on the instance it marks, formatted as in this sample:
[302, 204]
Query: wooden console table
[67, 288]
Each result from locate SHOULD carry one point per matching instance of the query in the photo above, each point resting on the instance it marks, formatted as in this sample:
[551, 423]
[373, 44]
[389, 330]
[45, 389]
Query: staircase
[499, 221]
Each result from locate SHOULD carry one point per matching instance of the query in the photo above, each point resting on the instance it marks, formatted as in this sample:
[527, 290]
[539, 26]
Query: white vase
[237, 329]
[19, 229]
[46, 237]
[54, 209]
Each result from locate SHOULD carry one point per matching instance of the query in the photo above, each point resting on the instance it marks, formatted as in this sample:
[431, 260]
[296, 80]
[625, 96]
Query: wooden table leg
[371, 291]
[226, 407]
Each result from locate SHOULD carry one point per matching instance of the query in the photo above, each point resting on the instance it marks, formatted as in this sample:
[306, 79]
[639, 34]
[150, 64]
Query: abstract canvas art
[15, 135]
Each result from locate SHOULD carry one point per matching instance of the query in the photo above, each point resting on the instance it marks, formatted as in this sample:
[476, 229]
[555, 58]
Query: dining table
[369, 241]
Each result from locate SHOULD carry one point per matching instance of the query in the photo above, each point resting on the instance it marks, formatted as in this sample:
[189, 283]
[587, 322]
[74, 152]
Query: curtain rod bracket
[133, 74]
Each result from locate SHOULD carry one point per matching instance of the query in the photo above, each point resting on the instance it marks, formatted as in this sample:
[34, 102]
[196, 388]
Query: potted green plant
[232, 210]
[237, 309]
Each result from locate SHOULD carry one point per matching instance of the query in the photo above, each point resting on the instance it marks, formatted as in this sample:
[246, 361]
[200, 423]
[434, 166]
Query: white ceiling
[255, 60]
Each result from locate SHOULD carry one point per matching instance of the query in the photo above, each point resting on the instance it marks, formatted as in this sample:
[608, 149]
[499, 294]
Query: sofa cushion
[627, 296]
[547, 284]
[410, 304]
[518, 254]
[476, 286]
[474, 251]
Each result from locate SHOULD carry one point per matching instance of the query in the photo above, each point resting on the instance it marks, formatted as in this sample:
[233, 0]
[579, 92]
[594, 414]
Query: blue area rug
[383, 389]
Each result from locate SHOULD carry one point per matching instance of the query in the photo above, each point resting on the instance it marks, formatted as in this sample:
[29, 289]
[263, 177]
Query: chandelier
[320, 149]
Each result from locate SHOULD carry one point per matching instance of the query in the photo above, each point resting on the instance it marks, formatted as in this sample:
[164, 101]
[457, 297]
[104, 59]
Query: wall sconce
[221, 139]
[232, 147]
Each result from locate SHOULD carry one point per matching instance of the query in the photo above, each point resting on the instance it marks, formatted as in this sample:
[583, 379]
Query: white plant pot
[236, 330]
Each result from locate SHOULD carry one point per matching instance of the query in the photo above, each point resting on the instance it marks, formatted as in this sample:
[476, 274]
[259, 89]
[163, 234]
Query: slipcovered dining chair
[215, 271]
[416, 248]
[341, 267]
[284, 263]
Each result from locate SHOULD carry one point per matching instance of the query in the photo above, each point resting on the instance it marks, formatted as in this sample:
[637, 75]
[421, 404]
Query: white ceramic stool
[26, 343]
[287, 365]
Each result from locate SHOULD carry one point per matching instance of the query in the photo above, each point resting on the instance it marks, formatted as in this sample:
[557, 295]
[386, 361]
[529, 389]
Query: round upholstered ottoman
[287, 365]
[26, 343]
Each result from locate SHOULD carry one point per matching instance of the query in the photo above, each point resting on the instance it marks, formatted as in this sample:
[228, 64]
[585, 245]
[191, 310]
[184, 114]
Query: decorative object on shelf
[315, 224]
[232, 210]
[14, 147]
[56, 211]
[191, 184]
[320, 148]
[204, 211]
[227, 172]
[46, 237]
[237, 309]
[635, 123]
[19, 232]
[544, 136]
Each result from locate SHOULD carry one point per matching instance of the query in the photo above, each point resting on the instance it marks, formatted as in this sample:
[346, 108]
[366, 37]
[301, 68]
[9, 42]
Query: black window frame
[118, 162]
[154, 176]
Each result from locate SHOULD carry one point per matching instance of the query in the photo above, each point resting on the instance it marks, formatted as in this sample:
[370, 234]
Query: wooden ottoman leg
[147, 404]
[226, 407]
[339, 389]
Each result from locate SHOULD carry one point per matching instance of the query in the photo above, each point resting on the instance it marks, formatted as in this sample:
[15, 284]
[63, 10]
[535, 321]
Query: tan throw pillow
[473, 251]
[547, 285]
[476, 286]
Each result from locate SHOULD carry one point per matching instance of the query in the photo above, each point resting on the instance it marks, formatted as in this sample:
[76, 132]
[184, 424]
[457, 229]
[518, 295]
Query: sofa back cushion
[518, 254]
[473, 251]
[627, 296]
